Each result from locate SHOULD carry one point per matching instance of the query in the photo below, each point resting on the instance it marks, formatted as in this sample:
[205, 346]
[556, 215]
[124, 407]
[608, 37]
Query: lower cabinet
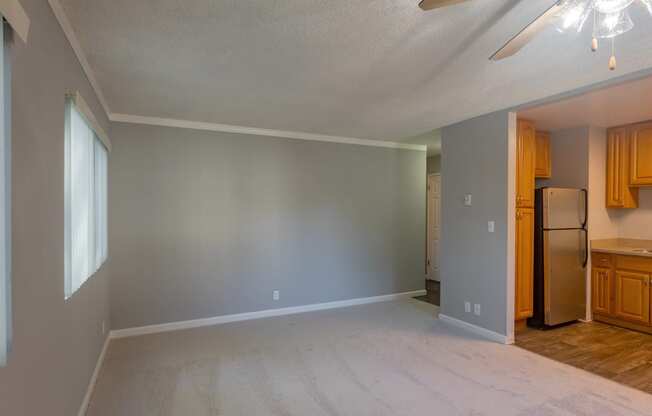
[633, 296]
[524, 307]
[602, 294]
[621, 290]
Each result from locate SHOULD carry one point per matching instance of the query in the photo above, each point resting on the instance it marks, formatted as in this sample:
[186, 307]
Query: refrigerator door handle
[586, 248]
[586, 208]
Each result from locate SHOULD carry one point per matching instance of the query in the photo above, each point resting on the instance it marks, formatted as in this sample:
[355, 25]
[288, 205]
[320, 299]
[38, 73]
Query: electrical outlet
[103, 327]
[491, 226]
[467, 307]
[476, 309]
[468, 200]
[276, 295]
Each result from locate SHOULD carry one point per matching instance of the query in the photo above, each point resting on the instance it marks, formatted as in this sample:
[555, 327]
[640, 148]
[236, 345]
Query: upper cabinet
[640, 154]
[619, 193]
[543, 163]
[525, 164]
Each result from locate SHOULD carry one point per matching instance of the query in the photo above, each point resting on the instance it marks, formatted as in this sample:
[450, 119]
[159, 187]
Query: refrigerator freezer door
[563, 208]
[564, 276]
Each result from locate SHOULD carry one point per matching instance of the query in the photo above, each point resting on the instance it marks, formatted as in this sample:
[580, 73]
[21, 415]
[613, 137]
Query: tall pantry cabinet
[526, 162]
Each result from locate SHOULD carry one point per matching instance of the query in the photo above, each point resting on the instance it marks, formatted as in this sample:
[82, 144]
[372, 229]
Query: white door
[433, 206]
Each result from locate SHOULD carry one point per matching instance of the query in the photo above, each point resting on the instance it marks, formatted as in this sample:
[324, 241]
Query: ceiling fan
[610, 19]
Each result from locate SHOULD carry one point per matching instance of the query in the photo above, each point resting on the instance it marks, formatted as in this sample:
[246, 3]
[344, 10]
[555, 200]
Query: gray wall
[473, 261]
[205, 224]
[56, 342]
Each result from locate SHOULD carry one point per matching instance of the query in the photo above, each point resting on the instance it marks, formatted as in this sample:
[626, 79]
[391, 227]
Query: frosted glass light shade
[572, 15]
[614, 24]
[648, 5]
[611, 6]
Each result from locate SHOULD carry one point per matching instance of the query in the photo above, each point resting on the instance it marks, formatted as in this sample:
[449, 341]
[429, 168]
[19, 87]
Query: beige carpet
[391, 358]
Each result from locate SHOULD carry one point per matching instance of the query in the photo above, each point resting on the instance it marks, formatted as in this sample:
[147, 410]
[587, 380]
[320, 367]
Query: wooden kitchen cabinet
[632, 296]
[621, 290]
[602, 296]
[640, 154]
[524, 263]
[543, 162]
[619, 192]
[525, 164]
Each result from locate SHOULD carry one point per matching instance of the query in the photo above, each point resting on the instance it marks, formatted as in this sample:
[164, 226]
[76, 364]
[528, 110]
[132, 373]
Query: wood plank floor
[616, 353]
[433, 293]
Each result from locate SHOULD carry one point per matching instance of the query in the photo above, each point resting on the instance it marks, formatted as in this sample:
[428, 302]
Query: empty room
[311, 207]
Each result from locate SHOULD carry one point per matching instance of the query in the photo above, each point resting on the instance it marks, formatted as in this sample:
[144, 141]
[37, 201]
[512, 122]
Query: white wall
[569, 156]
[637, 223]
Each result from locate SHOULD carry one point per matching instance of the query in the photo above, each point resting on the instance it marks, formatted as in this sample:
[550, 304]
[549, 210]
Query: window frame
[97, 181]
[5, 195]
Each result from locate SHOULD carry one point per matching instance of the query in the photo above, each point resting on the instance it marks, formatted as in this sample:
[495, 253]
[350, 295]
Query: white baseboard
[217, 320]
[478, 330]
[93, 380]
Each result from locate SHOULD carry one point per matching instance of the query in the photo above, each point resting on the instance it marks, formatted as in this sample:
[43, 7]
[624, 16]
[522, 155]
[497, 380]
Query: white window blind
[86, 246]
[5, 199]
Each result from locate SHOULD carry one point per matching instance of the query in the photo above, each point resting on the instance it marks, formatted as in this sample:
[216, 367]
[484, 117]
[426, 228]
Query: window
[86, 247]
[5, 199]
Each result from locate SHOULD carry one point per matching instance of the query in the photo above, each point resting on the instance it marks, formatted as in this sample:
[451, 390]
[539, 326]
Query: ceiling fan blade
[435, 4]
[516, 43]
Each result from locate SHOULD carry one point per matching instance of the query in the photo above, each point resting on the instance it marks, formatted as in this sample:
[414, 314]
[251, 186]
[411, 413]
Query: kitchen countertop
[625, 246]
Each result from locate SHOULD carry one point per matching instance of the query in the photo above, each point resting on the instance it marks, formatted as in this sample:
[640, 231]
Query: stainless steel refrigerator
[560, 256]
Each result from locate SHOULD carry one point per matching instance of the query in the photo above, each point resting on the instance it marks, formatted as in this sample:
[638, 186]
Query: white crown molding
[68, 30]
[14, 13]
[478, 330]
[91, 384]
[60, 14]
[223, 319]
[228, 128]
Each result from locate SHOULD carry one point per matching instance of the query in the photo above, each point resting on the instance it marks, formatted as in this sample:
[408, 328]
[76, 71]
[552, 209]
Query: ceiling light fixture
[610, 19]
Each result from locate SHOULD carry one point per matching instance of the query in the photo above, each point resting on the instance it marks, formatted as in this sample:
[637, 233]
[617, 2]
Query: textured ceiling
[379, 69]
[625, 103]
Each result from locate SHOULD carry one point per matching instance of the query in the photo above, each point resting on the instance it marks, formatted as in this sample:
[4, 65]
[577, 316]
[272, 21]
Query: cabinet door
[524, 263]
[543, 164]
[601, 290]
[525, 164]
[641, 154]
[633, 296]
[619, 193]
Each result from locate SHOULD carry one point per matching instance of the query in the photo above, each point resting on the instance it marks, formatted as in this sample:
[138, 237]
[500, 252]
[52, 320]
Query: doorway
[433, 226]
